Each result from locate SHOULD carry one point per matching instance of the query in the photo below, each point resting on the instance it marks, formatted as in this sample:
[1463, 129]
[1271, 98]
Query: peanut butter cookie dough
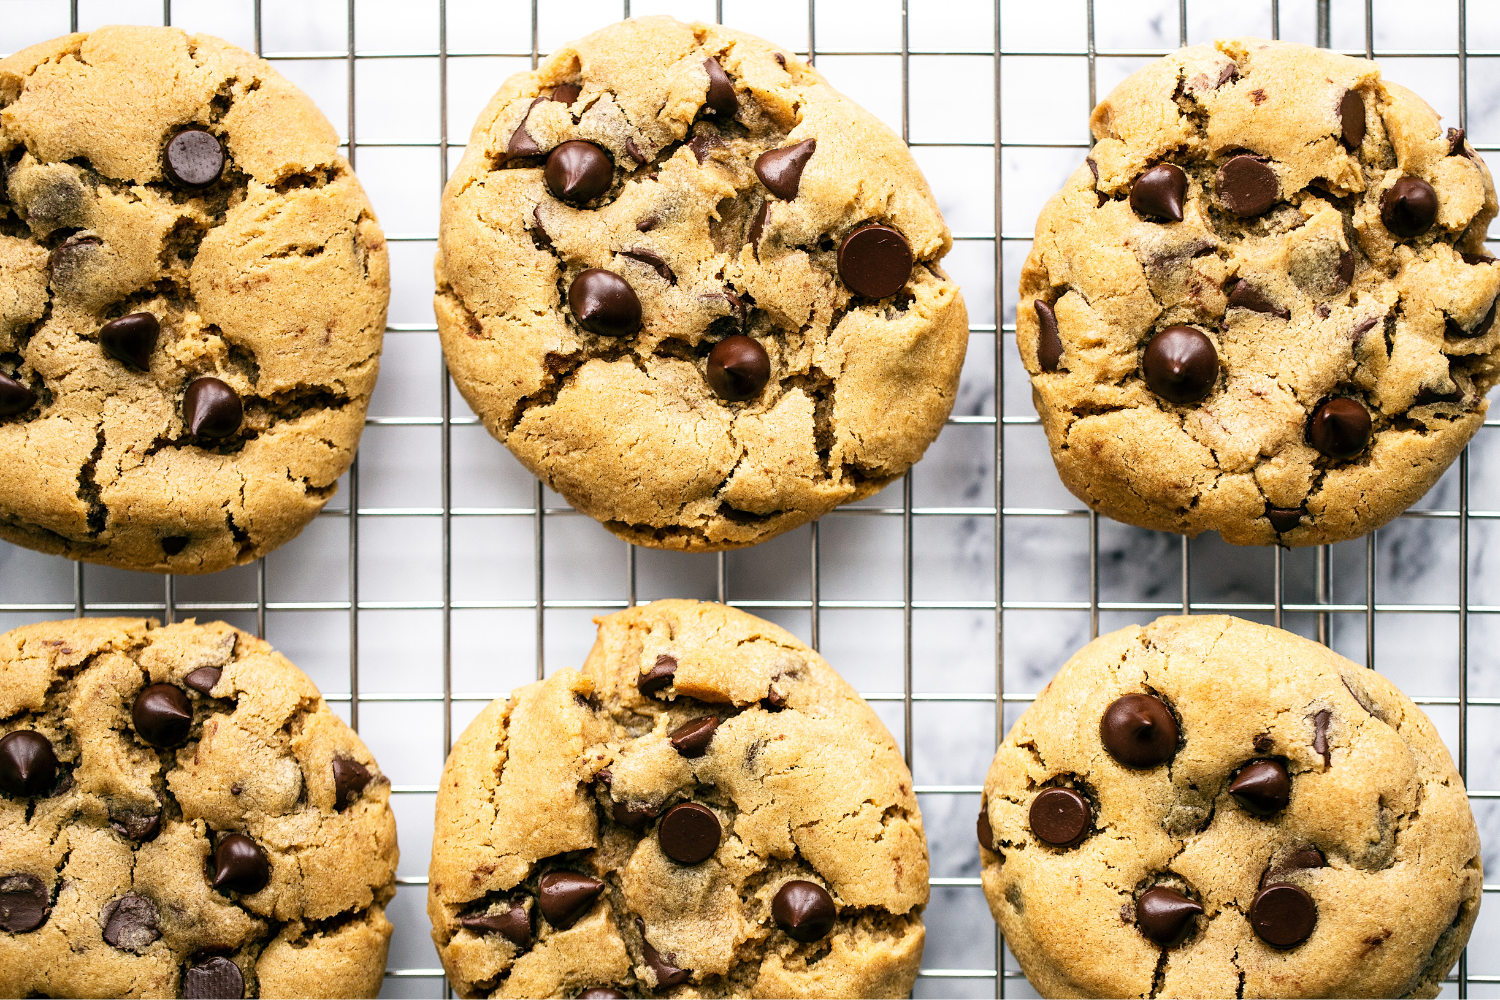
[182, 815]
[1226, 809]
[694, 288]
[705, 809]
[192, 299]
[1264, 306]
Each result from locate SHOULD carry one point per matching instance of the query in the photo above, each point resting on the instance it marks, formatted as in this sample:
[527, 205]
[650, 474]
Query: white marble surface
[1045, 99]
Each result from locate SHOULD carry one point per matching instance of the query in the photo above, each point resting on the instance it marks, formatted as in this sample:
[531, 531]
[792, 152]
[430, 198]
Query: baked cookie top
[1227, 809]
[182, 815]
[705, 809]
[694, 288]
[1263, 306]
[192, 298]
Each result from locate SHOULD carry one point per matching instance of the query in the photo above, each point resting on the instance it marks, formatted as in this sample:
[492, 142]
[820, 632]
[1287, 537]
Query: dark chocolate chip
[647, 224]
[652, 260]
[1159, 193]
[539, 235]
[578, 172]
[240, 865]
[691, 739]
[983, 828]
[513, 924]
[1284, 518]
[604, 303]
[162, 715]
[23, 903]
[1283, 915]
[131, 339]
[1320, 736]
[1321, 310]
[194, 158]
[203, 679]
[738, 368]
[634, 815]
[1456, 144]
[564, 896]
[1060, 816]
[658, 677]
[211, 409]
[134, 825]
[28, 764]
[1181, 364]
[566, 93]
[1340, 428]
[689, 833]
[1452, 329]
[214, 979]
[1352, 119]
[634, 152]
[781, 60]
[1409, 207]
[521, 143]
[774, 701]
[71, 252]
[1165, 915]
[1246, 296]
[1346, 270]
[1263, 743]
[1228, 74]
[173, 544]
[1139, 731]
[875, 261]
[780, 170]
[666, 973]
[1247, 185]
[601, 993]
[702, 143]
[1477, 258]
[758, 227]
[1302, 859]
[349, 779]
[1049, 347]
[1363, 327]
[1262, 787]
[130, 922]
[803, 910]
[720, 100]
[14, 397]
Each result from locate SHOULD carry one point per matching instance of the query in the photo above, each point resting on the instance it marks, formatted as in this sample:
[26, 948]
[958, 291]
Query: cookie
[192, 298]
[183, 815]
[1226, 809]
[704, 809]
[695, 289]
[1263, 307]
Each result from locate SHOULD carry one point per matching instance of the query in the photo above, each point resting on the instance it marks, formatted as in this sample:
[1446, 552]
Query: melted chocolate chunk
[659, 676]
[1352, 119]
[1284, 518]
[667, 974]
[1320, 736]
[23, 903]
[521, 143]
[349, 780]
[130, 922]
[1246, 296]
[512, 923]
[134, 825]
[983, 829]
[215, 979]
[652, 260]
[15, 398]
[721, 100]
[566, 93]
[203, 679]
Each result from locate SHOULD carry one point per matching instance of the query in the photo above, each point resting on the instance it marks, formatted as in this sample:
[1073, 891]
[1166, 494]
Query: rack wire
[1347, 569]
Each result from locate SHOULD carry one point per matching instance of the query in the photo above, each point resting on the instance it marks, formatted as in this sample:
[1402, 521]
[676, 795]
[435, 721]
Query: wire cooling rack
[458, 576]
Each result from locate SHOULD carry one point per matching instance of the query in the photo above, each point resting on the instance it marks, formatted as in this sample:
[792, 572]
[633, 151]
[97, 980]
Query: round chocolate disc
[193, 158]
[1060, 816]
[689, 833]
[1247, 185]
[875, 261]
[1283, 915]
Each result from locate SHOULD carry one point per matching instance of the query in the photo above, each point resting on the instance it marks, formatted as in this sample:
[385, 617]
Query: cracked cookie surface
[704, 187]
[1288, 824]
[572, 818]
[182, 814]
[1324, 238]
[151, 173]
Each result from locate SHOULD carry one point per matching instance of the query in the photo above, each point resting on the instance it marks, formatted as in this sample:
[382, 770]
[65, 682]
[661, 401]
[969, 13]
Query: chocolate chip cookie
[704, 805]
[1263, 306]
[1226, 809]
[192, 299]
[182, 815]
[695, 289]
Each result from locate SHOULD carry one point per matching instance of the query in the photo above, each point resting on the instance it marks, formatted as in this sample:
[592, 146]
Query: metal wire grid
[538, 513]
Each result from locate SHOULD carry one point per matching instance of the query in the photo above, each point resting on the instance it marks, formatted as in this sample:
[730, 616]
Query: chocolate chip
[130, 922]
[758, 227]
[1352, 119]
[211, 409]
[634, 152]
[634, 815]
[1284, 518]
[1477, 258]
[658, 677]
[521, 143]
[134, 825]
[1159, 192]
[1262, 787]
[720, 100]
[983, 828]
[1361, 328]
[601, 993]
[652, 260]
[14, 397]
[1452, 329]
[1283, 915]
[1321, 310]
[23, 903]
[193, 158]
[513, 924]
[564, 896]
[780, 170]
[162, 715]
[1165, 915]
[803, 910]
[1340, 428]
[215, 979]
[1456, 144]
[666, 973]
[1139, 731]
[1228, 74]
[774, 701]
[1048, 345]
[647, 224]
[566, 93]
[578, 172]
[1181, 365]
[349, 779]
[875, 261]
[1247, 185]
[738, 368]
[1060, 817]
[1246, 296]
[131, 339]
[240, 865]
[780, 60]
[691, 739]
[689, 833]
[1320, 736]
[604, 303]
[1346, 270]
[1409, 207]
[1301, 859]
[701, 143]
[203, 679]
[28, 764]
[539, 236]
[70, 253]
